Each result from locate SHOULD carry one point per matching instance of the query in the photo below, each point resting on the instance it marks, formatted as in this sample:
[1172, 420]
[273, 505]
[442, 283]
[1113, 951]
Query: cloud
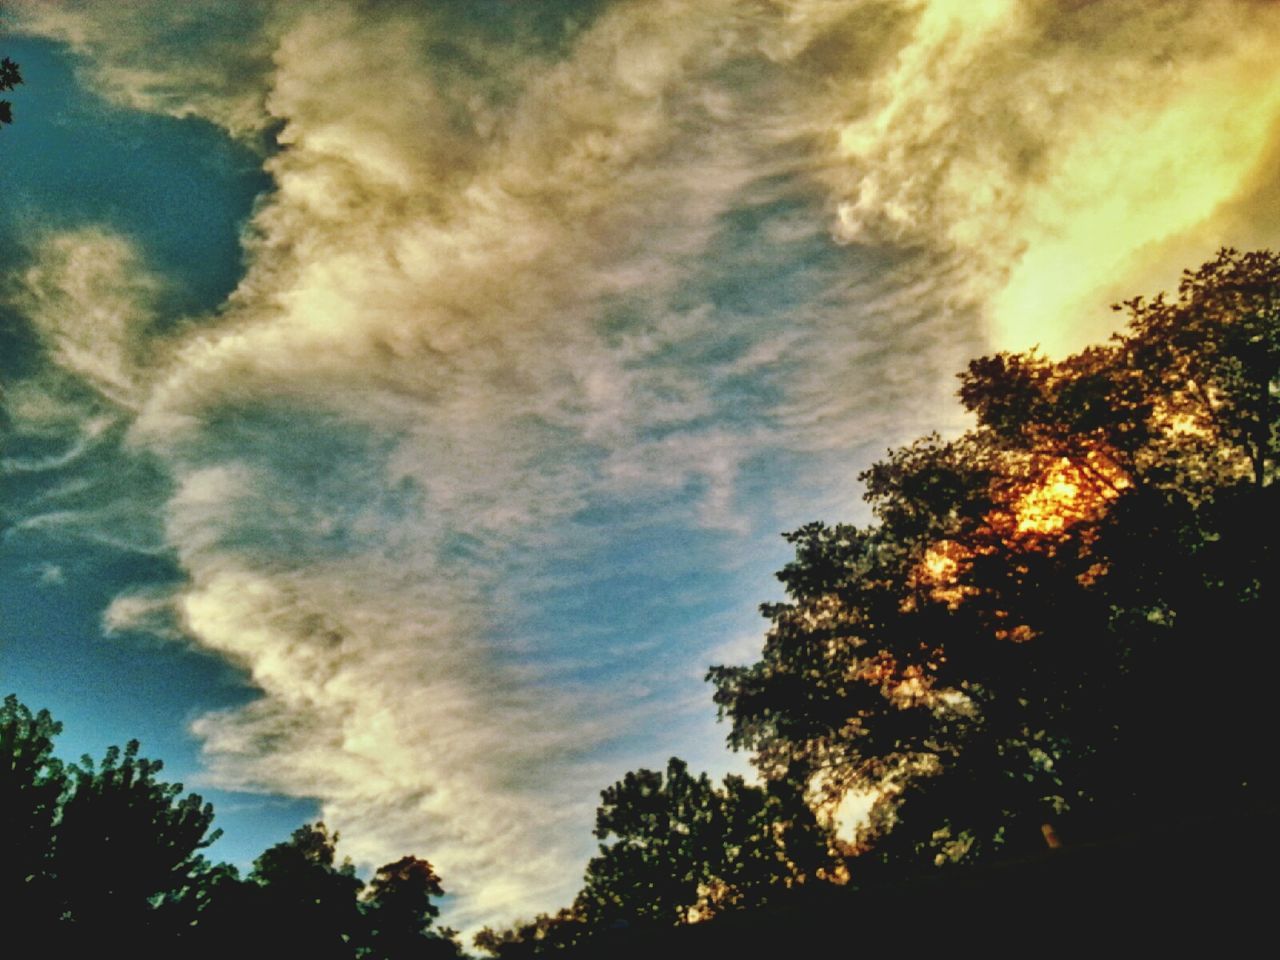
[91, 431]
[224, 83]
[89, 300]
[634, 298]
[1055, 149]
[148, 610]
[50, 575]
[414, 381]
[404, 726]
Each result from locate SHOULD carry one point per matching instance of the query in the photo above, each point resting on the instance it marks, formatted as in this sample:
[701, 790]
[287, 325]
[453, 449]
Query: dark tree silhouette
[399, 912]
[659, 830]
[127, 846]
[32, 782]
[1020, 640]
[677, 849]
[308, 904]
[547, 933]
[107, 853]
[680, 849]
[10, 77]
[762, 842]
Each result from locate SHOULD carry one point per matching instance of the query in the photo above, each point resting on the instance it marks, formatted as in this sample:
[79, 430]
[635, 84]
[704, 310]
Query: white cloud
[51, 575]
[442, 288]
[90, 302]
[148, 610]
[121, 61]
[89, 432]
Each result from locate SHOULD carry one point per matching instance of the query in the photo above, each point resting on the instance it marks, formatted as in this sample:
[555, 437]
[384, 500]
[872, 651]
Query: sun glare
[1069, 491]
[940, 569]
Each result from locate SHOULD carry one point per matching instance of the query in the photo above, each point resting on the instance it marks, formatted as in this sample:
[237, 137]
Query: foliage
[127, 844]
[1021, 636]
[32, 782]
[108, 851]
[547, 933]
[664, 832]
[307, 901]
[399, 912]
[10, 77]
[678, 849]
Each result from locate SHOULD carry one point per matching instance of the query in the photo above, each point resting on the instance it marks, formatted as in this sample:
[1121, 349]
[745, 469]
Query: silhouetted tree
[10, 77]
[1020, 637]
[126, 848]
[32, 782]
[399, 912]
[659, 831]
[770, 842]
[98, 854]
[680, 849]
[223, 917]
[677, 849]
[308, 905]
[546, 934]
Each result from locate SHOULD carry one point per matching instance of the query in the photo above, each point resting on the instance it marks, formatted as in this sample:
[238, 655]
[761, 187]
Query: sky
[402, 401]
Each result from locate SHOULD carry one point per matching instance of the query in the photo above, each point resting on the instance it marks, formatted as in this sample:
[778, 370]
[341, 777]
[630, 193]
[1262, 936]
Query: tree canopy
[10, 77]
[1020, 639]
[677, 848]
[32, 782]
[106, 852]
[127, 845]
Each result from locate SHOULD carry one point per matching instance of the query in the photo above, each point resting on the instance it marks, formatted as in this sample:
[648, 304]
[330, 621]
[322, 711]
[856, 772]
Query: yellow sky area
[1067, 159]
[1147, 183]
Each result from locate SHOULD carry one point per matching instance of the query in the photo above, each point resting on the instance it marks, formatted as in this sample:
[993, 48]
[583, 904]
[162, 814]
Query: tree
[680, 849]
[1211, 362]
[32, 782]
[1179, 415]
[771, 842]
[306, 904]
[399, 912]
[90, 850]
[127, 845]
[92, 853]
[661, 829]
[10, 77]
[677, 849]
[546, 933]
[1020, 637]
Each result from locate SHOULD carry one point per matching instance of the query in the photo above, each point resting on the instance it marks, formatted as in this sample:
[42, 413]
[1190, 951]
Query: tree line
[106, 852]
[1059, 624]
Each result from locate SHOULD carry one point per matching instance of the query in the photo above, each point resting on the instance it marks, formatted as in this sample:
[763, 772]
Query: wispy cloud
[89, 299]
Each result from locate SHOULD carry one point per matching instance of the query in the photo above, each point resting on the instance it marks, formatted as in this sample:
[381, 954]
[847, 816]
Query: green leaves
[126, 841]
[678, 848]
